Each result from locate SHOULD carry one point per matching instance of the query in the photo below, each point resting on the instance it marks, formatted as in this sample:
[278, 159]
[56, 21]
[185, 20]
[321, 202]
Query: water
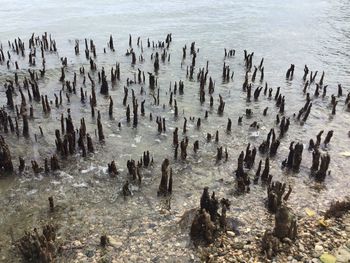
[315, 33]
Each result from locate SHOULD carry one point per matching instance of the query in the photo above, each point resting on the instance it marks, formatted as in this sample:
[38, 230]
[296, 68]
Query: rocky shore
[317, 241]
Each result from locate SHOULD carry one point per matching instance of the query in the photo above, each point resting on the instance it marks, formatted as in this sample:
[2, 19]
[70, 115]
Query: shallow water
[316, 33]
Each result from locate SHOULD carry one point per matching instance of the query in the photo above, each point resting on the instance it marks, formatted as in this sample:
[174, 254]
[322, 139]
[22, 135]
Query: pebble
[90, 253]
[299, 257]
[238, 245]
[232, 259]
[133, 257]
[80, 255]
[318, 250]
[77, 243]
[308, 247]
[114, 243]
[343, 255]
[231, 233]
[287, 240]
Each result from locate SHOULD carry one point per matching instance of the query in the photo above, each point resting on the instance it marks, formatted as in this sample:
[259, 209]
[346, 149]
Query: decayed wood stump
[38, 248]
[5, 157]
[207, 222]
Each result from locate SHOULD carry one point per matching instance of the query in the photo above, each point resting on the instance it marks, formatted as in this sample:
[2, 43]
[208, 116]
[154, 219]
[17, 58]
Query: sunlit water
[316, 33]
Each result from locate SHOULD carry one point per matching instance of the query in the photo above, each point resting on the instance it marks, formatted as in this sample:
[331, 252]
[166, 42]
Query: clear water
[316, 33]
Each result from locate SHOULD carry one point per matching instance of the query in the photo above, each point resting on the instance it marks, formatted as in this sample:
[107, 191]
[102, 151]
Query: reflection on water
[310, 32]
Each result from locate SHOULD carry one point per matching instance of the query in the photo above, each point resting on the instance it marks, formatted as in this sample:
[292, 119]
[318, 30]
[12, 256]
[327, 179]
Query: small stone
[133, 257]
[231, 233]
[343, 255]
[287, 240]
[151, 225]
[238, 245]
[246, 247]
[114, 243]
[76, 243]
[90, 253]
[299, 257]
[343, 234]
[155, 259]
[80, 255]
[232, 259]
[318, 250]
